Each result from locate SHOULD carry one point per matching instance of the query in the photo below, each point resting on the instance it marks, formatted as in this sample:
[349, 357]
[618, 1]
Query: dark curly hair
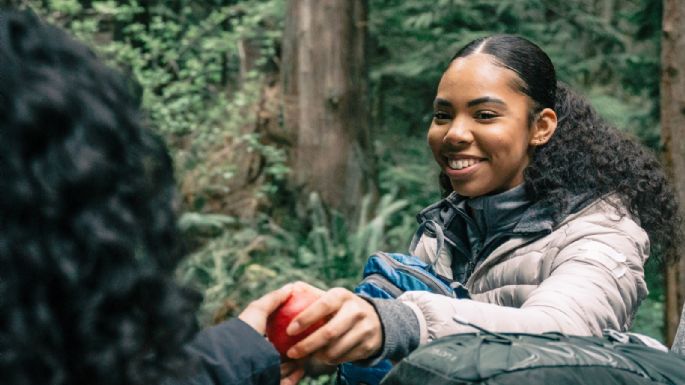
[88, 237]
[586, 155]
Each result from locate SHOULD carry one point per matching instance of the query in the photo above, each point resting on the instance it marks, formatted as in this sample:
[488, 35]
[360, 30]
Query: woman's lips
[462, 166]
[458, 164]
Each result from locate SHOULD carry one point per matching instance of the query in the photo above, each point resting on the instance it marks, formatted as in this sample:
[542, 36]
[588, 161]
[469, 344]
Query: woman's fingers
[354, 323]
[359, 343]
[300, 285]
[256, 313]
[318, 340]
[329, 303]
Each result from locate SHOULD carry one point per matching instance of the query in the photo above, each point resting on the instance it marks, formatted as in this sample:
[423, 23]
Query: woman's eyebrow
[440, 102]
[485, 99]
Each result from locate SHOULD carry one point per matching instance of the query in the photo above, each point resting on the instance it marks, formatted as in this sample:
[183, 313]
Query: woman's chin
[468, 192]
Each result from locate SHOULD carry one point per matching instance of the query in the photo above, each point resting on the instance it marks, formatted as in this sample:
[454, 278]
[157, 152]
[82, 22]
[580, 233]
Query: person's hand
[256, 313]
[293, 371]
[353, 331]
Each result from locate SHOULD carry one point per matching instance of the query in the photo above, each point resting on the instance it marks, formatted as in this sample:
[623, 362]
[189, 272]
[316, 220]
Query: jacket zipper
[483, 253]
[471, 265]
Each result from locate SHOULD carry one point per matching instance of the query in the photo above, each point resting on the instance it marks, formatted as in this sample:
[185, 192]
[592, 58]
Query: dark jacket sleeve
[230, 353]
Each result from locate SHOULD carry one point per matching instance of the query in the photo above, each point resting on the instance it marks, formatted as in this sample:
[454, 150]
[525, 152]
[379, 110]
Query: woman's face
[480, 134]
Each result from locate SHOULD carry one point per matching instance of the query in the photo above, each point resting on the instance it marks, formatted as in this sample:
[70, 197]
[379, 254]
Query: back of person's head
[88, 229]
[586, 158]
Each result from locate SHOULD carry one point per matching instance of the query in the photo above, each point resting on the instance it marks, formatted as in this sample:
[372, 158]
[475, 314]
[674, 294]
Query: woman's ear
[543, 127]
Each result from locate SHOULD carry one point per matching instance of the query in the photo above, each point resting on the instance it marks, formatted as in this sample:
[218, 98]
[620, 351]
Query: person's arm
[596, 282]
[400, 328]
[231, 353]
[236, 352]
[360, 329]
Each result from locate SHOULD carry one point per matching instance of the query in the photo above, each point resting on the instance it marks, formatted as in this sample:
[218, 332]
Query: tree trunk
[325, 86]
[607, 8]
[673, 136]
[248, 53]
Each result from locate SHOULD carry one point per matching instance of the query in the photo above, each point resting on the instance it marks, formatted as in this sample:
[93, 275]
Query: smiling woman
[548, 218]
[481, 135]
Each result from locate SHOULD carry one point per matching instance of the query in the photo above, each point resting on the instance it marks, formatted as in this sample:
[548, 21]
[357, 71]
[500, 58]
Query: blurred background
[298, 126]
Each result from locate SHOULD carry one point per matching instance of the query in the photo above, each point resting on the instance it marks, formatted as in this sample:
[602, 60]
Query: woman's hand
[353, 331]
[256, 313]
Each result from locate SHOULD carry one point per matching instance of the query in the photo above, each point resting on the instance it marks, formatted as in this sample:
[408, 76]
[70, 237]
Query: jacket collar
[499, 212]
[537, 223]
[536, 218]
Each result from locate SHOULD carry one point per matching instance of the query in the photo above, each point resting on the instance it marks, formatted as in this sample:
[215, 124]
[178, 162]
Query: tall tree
[673, 136]
[324, 75]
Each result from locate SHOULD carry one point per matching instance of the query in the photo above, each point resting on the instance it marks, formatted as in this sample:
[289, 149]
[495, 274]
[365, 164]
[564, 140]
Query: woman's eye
[440, 116]
[485, 115]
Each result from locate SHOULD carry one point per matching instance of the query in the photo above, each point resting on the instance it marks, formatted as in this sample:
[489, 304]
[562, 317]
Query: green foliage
[332, 248]
[190, 75]
[200, 69]
[649, 319]
[240, 261]
[594, 50]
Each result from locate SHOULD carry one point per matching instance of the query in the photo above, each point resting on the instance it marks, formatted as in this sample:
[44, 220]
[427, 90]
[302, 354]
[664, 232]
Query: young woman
[547, 221]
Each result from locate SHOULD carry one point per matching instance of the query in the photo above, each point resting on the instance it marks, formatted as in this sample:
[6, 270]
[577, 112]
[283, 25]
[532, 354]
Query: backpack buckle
[616, 336]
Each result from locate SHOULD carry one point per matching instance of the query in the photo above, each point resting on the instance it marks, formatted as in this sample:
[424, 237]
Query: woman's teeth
[458, 164]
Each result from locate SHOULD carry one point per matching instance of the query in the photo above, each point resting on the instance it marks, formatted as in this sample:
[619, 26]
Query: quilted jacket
[584, 275]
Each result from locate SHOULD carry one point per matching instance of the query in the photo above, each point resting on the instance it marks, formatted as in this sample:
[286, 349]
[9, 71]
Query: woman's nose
[458, 133]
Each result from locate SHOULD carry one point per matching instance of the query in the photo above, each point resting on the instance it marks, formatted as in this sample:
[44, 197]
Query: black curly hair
[586, 155]
[88, 237]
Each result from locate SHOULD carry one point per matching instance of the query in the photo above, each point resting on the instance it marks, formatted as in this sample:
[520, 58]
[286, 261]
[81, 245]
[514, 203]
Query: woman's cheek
[434, 142]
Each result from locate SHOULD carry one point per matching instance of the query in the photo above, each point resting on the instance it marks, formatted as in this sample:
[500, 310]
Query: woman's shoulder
[608, 209]
[605, 217]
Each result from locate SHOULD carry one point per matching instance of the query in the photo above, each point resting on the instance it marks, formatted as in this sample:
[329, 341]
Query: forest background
[298, 127]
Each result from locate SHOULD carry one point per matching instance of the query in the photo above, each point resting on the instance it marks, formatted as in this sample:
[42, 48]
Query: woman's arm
[596, 282]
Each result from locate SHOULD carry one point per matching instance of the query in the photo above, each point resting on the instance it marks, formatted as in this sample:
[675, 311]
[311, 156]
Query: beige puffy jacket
[585, 276]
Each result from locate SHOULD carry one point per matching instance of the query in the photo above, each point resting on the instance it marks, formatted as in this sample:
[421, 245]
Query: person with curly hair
[548, 218]
[88, 236]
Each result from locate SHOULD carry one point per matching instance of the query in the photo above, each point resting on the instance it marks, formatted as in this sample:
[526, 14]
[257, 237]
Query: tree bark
[673, 137]
[325, 85]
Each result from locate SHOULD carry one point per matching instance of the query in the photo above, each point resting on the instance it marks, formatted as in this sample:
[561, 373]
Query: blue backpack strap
[388, 275]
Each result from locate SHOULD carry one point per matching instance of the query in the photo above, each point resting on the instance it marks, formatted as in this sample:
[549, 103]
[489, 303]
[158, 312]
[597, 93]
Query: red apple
[280, 319]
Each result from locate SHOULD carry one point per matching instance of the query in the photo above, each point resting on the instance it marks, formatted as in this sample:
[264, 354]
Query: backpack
[548, 358]
[387, 276]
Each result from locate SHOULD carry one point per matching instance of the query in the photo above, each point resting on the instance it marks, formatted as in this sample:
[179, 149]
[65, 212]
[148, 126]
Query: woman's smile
[481, 131]
[460, 167]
